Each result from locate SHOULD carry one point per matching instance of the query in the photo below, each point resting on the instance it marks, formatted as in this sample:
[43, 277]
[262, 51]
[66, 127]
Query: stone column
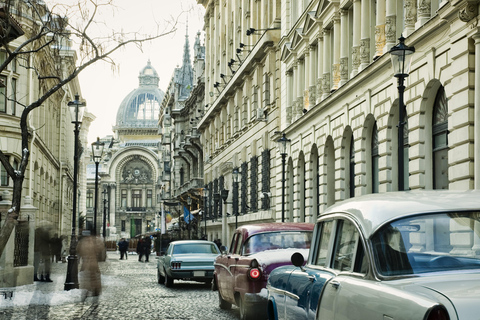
[326, 63]
[313, 77]
[380, 28]
[299, 103]
[365, 35]
[308, 58]
[336, 51]
[343, 47]
[113, 204]
[319, 68]
[410, 16]
[390, 25]
[289, 94]
[476, 37]
[356, 37]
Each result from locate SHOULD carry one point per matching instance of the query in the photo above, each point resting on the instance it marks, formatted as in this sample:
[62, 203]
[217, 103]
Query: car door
[348, 261]
[225, 267]
[304, 287]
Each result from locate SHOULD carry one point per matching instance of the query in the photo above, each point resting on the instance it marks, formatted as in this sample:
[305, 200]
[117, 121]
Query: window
[13, 96]
[89, 199]
[3, 94]
[3, 176]
[351, 167]
[325, 235]
[345, 246]
[149, 198]
[440, 141]
[136, 198]
[149, 225]
[375, 158]
[124, 198]
[124, 224]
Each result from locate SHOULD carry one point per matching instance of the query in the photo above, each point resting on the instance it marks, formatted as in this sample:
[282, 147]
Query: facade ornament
[344, 69]
[469, 11]
[326, 83]
[319, 89]
[391, 29]
[355, 58]
[311, 94]
[380, 39]
[365, 50]
[410, 7]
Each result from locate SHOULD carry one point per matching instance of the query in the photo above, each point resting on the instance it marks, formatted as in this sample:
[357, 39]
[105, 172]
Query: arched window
[440, 141]
[405, 153]
[375, 158]
[351, 170]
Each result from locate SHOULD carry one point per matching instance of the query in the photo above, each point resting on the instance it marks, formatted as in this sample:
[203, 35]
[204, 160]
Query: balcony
[136, 209]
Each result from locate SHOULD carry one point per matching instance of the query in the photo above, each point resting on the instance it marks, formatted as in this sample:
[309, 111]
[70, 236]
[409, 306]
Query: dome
[140, 108]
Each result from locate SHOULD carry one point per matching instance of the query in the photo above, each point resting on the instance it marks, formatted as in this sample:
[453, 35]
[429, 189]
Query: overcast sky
[104, 90]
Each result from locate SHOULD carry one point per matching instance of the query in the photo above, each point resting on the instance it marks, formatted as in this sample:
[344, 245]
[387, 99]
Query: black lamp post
[97, 151]
[283, 143]
[189, 202]
[235, 175]
[224, 195]
[76, 108]
[401, 68]
[205, 197]
[105, 193]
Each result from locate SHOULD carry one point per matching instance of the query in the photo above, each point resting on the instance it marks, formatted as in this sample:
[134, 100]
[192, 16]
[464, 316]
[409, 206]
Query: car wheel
[160, 278]
[224, 305]
[244, 312]
[168, 281]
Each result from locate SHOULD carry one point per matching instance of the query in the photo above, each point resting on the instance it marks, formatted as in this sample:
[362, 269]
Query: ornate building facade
[320, 73]
[129, 169]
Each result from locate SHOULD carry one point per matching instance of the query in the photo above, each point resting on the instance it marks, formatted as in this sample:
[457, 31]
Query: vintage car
[241, 272]
[397, 255]
[187, 260]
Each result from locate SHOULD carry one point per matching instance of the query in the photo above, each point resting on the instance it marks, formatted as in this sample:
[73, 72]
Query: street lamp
[76, 108]
[224, 195]
[97, 151]
[235, 176]
[283, 143]
[205, 197]
[401, 68]
[105, 193]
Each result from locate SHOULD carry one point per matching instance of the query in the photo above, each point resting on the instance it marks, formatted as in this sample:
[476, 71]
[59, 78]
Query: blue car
[397, 255]
[187, 260]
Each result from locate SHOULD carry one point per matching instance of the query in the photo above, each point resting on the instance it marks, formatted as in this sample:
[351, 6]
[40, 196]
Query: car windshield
[195, 248]
[277, 240]
[428, 243]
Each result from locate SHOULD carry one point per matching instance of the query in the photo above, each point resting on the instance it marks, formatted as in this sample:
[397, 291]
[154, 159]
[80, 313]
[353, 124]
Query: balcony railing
[136, 209]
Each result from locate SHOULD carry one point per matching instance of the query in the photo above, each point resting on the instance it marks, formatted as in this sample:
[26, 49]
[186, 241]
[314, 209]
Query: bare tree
[51, 29]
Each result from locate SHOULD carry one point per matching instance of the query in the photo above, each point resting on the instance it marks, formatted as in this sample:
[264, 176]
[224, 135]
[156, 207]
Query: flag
[187, 216]
[164, 229]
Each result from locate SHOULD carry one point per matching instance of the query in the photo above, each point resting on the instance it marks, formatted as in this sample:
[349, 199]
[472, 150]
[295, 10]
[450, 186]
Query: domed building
[129, 169]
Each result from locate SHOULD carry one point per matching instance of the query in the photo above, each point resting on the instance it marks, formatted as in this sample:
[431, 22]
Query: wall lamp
[223, 77]
[251, 31]
[230, 64]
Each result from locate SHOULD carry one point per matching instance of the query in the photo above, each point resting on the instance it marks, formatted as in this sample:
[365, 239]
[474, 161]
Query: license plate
[199, 273]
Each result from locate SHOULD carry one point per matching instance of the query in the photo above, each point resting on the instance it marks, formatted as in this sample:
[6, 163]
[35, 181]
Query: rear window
[195, 248]
[277, 240]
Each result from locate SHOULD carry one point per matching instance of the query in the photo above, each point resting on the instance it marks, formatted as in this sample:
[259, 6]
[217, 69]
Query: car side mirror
[223, 249]
[297, 259]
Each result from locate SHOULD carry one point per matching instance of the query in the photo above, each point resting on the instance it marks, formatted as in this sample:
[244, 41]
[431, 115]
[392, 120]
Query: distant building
[129, 169]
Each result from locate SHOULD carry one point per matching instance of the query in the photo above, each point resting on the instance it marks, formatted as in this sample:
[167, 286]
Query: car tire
[208, 283]
[224, 305]
[244, 312]
[168, 281]
[160, 278]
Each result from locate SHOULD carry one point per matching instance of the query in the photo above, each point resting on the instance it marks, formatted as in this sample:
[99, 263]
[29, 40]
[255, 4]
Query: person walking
[140, 249]
[88, 249]
[42, 255]
[123, 248]
[147, 247]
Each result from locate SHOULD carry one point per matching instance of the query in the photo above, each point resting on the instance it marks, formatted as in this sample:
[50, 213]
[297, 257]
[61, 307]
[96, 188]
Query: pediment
[322, 6]
[297, 37]
[309, 21]
[286, 51]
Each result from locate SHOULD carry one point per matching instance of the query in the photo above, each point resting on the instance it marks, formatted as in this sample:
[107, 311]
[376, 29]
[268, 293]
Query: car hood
[461, 290]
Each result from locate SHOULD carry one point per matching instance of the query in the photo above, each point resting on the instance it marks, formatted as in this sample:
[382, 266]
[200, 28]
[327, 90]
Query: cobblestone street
[129, 291]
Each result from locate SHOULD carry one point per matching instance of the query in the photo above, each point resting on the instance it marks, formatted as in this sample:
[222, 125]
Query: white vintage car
[399, 255]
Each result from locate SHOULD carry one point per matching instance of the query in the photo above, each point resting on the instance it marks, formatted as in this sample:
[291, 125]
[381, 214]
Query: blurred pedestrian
[56, 248]
[123, 248]
[42, 255]
[88, 249]
[140, 249]
[65, 248]
[147, 247]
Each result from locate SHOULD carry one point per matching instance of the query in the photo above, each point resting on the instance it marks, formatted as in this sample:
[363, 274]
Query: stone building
[48, 185]
[130, 166]
[320, 73]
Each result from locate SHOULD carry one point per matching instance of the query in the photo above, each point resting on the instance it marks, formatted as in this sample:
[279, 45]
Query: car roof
[191, 241]
[251, 229]
[374, 210]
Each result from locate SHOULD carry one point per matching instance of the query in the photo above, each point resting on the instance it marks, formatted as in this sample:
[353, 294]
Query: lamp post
[205, 197]
[283, 143]
[401, 68]
[224, 195]
[97, 151]
[235, 175]
[189, 202]
[76, 108]
[105, 193]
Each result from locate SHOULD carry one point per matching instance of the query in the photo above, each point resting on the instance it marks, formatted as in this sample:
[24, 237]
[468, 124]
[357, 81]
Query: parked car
[241, 272]
[397, 255]
[187, 260]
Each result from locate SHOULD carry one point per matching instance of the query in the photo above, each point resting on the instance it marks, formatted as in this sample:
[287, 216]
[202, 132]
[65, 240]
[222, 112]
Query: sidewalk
[53, 293]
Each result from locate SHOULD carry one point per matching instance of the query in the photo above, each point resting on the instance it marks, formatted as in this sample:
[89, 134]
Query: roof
[251, 229]
[191, 241]
[374, 210]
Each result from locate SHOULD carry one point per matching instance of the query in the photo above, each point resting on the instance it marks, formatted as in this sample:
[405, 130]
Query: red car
[241, 272]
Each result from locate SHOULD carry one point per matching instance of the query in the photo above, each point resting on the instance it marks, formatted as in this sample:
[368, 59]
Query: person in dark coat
[56, 246]
[140, 249]
[123, 248]
[147, 247]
